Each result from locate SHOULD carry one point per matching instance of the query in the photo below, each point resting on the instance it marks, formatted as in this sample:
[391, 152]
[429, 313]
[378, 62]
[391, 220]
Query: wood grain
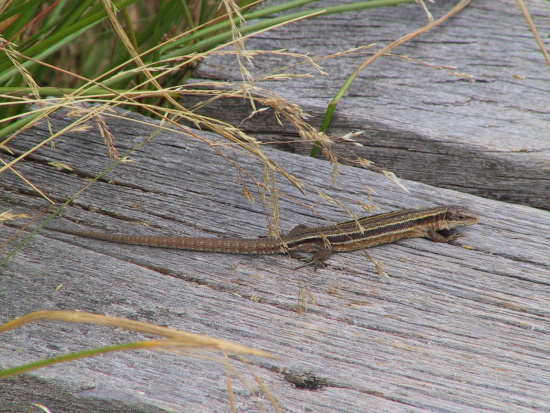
[451, 329]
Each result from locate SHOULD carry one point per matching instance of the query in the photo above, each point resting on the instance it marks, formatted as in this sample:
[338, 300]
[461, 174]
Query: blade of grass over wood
[140, 345]
[334, 102]
[72, 198]
[186, 339]
[178, 342]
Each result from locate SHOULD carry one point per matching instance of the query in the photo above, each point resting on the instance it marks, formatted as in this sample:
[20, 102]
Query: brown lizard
[434, 223]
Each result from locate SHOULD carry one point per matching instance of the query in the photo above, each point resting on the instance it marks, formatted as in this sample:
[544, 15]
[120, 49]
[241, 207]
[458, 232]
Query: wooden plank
[490, 137]
[451, 329]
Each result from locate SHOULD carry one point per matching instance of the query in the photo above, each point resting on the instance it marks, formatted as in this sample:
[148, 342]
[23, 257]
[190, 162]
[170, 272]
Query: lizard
[436, 223]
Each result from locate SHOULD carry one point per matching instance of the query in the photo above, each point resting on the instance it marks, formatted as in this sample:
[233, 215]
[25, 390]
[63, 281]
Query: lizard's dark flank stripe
[348, 236]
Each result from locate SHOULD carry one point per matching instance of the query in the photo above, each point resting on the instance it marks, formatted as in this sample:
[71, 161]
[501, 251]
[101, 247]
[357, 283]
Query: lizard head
[459, 216]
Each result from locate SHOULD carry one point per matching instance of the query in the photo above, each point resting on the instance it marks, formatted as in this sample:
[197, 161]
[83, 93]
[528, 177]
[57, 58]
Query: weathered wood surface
[451, 329]
[490, 137]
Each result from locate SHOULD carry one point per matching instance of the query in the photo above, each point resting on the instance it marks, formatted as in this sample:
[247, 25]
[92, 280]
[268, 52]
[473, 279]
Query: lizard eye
[458, 216]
